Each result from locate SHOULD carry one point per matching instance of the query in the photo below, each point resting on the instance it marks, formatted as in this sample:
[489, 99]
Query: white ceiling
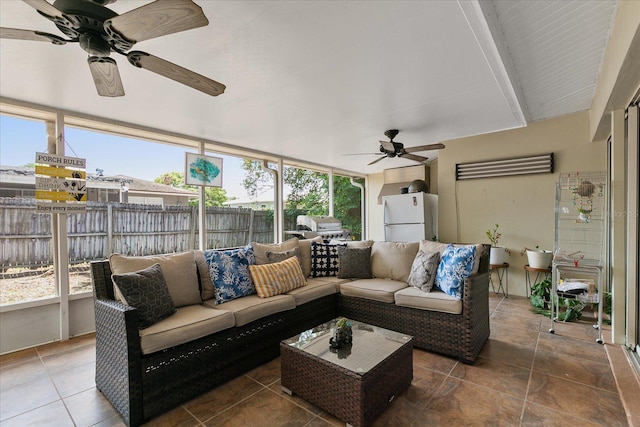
[315, 80]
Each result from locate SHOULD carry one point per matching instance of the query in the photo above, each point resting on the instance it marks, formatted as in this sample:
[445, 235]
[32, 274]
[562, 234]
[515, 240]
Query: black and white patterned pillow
[355, 263]
[147, 291]
[325, 260]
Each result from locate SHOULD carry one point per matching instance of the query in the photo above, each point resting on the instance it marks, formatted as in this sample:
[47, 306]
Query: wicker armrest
[475, 312]
[118, 358]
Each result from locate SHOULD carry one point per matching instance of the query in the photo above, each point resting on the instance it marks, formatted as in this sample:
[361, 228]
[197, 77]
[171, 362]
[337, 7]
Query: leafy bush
[569, 309]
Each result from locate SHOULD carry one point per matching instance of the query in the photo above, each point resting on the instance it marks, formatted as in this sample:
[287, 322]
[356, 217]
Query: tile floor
[524, 376]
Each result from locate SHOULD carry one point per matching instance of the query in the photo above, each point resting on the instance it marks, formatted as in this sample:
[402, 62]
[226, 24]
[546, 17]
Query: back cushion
[179, 270]
[305, 254]
[206, 285]
[392, 260]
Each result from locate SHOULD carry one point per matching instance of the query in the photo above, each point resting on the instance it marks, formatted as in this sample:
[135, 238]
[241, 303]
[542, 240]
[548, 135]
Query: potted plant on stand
[498, 255]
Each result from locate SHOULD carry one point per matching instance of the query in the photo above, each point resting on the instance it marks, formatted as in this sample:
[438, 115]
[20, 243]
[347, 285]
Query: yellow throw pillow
[277, 278]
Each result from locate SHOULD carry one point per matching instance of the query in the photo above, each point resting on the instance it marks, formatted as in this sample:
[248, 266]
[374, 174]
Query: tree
[213, 196]
[256, 179]
[308, 194]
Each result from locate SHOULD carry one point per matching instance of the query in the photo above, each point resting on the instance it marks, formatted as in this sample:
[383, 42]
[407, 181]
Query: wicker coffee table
[355, 383]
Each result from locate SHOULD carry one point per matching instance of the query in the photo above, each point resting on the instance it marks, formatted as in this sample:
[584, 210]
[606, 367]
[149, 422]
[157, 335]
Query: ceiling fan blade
[157, 19]
[106, 76]
[376, 161]
[18, 34]
[414, 157]
[388, 145]
[45, 7]
[176, 72]
[424, 148]
[364, 154]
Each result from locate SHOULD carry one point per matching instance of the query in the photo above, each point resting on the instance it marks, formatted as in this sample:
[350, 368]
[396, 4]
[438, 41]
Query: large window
[135, 207]
[25, 235]
[347, 204]
[306, 193]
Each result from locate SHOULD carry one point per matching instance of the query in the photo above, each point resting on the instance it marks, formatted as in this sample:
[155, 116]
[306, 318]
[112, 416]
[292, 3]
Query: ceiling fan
[396, 149]
[100, 31]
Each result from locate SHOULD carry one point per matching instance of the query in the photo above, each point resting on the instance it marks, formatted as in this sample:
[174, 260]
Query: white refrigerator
[410, 217]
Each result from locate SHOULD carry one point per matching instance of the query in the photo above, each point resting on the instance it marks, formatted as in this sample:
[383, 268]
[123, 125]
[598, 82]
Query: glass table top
[370, 345]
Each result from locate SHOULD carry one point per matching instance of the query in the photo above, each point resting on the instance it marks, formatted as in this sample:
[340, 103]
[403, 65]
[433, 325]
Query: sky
[20, 139]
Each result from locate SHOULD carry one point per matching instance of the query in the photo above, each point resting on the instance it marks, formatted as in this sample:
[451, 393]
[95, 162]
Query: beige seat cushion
[206, 284]
[336, 281]
[391, 260]
[179, 270]
[375, 289]
[252, 307]
[187, 324]
[260, 249]
[435, 300]
[430, 246]
[304, 246]
[316, 288]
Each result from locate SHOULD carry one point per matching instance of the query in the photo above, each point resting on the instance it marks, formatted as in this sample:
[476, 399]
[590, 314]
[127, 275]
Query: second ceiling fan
[397, 149]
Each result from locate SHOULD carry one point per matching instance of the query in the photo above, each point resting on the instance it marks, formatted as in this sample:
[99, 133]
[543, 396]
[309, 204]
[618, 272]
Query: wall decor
[542, 163]
[203, 170]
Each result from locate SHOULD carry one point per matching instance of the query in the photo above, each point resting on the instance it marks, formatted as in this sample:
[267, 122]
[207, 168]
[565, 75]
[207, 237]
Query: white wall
[37, 323]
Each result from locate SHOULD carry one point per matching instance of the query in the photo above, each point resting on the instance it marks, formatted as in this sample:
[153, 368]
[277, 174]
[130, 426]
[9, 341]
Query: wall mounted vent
[505, 167]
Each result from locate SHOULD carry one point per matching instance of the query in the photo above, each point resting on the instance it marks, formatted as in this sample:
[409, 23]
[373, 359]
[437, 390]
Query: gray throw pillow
[147, 291]
[281, 256]
[423, 270]
[355, 263]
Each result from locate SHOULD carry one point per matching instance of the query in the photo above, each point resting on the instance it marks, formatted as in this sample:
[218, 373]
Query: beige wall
[433, 171]
[522, 205]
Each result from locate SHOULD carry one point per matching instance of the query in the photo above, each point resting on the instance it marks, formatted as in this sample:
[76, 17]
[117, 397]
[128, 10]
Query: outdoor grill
[327, 227]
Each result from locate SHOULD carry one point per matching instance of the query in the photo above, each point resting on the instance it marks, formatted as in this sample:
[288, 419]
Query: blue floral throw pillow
[229, 272]
[456, 264]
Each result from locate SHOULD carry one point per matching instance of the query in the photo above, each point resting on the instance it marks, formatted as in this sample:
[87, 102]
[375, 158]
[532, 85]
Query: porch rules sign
[61, 184]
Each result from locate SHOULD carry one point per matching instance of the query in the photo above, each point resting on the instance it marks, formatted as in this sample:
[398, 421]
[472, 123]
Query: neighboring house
[20, 182]
[255, 204]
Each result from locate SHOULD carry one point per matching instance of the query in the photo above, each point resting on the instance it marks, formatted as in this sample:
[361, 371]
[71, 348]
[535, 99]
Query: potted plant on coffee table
[498, 255]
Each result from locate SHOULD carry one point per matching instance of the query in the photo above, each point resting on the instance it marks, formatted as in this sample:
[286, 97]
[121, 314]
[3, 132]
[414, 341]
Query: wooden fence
[105, 228]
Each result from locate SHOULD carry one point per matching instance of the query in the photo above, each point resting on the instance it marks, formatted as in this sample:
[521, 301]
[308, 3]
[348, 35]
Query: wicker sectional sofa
[145, 372]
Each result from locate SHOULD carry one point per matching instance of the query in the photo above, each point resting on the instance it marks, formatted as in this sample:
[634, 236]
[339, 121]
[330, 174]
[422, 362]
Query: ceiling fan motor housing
[391, 133]
[84, 20]
[94, 45]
